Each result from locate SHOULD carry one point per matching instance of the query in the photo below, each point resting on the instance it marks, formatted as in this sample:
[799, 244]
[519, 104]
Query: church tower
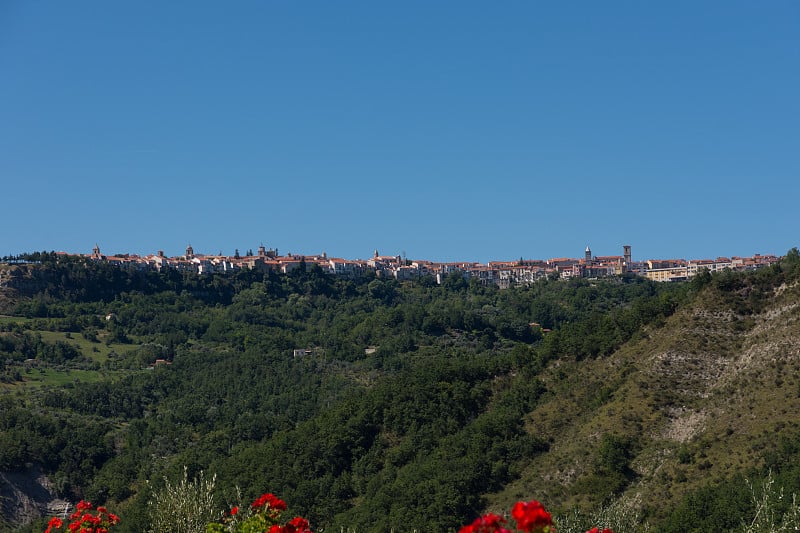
[587, 256]
[189, 251]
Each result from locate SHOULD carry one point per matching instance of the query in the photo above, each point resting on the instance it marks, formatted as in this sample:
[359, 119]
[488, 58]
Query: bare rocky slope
[27, 495]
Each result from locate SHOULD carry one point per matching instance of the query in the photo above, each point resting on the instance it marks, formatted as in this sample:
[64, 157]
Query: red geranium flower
[532, 517]
[488, 523]
[83, 505]
[54, 522]
[297, 525]
[273, 501]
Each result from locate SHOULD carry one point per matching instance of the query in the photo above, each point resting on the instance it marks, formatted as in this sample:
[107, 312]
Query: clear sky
[446, 130]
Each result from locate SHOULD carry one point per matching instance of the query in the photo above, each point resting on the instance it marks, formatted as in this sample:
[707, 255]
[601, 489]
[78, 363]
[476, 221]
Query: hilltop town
[501, 273]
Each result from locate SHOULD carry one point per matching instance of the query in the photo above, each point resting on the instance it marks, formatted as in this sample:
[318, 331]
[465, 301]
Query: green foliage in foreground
[189, 506]
[185, 506]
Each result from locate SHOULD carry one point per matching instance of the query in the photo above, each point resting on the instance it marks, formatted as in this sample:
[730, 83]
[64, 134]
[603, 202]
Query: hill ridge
[701, 396]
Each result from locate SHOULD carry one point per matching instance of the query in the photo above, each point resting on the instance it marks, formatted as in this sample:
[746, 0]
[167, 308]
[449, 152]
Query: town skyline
[251, 251]
[501, 273]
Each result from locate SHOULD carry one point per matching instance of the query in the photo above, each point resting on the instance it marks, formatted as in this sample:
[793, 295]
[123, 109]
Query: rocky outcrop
[27, 495]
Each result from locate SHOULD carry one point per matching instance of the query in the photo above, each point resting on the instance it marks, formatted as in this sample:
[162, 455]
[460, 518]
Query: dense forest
[369, 404]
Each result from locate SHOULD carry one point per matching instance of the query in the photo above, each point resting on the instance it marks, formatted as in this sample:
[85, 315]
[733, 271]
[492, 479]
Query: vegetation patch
[373, 404]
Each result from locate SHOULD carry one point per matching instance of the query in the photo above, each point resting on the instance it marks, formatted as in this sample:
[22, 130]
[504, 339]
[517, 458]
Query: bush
[184, 507]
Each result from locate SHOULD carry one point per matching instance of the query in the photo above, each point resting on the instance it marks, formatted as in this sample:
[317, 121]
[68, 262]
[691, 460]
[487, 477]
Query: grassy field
[96, 351]
[36, 378]
[6, 319]
[38, 374]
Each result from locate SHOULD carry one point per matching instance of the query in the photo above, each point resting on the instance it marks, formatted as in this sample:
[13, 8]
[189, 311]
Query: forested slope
[676, 419]
[377, 404]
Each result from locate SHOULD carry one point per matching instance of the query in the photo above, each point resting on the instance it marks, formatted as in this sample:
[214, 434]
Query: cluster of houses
[501, 273]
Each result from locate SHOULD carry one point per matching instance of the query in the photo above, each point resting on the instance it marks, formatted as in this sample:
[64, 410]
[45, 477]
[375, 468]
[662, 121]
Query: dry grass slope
[699, 399]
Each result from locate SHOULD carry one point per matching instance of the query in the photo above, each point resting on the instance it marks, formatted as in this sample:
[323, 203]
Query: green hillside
[378, 405]
[701, 400]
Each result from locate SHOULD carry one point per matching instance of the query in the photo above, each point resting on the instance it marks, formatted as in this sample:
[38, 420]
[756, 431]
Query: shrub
[184, 507]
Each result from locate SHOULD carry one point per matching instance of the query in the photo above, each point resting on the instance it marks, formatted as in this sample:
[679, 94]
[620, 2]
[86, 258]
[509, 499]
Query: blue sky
[442, 130]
